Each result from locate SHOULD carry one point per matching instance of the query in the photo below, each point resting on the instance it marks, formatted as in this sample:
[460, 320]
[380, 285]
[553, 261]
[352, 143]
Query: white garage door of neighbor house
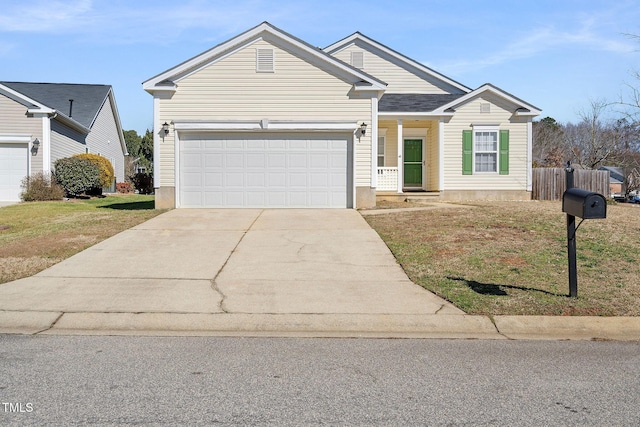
[14, 167]
[266, 170]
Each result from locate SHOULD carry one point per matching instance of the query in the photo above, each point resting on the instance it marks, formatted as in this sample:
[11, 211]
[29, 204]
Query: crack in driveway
[214, 283]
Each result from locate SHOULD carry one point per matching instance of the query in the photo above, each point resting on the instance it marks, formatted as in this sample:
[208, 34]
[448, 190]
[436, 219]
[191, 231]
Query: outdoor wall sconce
[165, 128]
[363, 129]
[34, 146]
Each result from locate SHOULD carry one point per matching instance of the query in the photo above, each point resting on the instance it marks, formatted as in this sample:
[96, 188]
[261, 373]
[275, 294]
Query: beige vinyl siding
[104, 139]
[231, 89]
[65, 142]
[13, 121]
[502, 115]
[398, 79]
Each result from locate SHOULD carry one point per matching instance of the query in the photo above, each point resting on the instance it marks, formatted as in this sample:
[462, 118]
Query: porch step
[413, 197]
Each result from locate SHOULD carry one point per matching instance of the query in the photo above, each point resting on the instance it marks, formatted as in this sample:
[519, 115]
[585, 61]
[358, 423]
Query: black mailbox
[584, 204]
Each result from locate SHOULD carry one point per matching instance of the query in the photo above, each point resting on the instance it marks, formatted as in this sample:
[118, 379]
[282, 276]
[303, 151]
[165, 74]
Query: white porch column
[441, 155]
[400, 158]
[374, 142]
[156, 141]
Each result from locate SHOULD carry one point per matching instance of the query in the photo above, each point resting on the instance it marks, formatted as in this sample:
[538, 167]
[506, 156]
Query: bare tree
[593, 142]
[549, 149]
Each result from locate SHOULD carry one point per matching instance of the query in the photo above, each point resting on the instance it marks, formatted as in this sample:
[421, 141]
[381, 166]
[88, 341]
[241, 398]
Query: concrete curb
[300, 325]
[569, 328]
[451, 326]
[27, 322]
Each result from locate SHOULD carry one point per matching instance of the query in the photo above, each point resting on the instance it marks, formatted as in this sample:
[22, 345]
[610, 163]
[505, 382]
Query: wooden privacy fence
[550, 183]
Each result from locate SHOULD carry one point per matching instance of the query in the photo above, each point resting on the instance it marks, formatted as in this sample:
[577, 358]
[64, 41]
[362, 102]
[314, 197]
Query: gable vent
[357, 59]
[264, 60]
[485, 107]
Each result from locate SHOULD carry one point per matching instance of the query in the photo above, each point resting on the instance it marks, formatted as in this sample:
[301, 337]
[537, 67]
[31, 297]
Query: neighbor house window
[381, 140]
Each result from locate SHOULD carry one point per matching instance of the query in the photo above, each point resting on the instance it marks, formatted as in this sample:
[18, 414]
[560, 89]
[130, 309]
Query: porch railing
[387, 179]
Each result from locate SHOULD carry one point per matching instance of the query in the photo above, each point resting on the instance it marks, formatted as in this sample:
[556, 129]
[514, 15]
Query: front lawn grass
[36, 235]
[510, 258]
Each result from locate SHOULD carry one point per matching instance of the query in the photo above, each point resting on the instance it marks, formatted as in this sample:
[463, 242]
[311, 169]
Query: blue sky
[557, 55]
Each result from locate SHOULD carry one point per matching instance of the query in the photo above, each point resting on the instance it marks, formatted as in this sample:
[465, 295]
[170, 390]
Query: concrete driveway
[253, 266]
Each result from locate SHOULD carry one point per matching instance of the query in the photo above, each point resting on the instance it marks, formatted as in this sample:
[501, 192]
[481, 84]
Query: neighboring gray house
[616, 182]
[43, 122]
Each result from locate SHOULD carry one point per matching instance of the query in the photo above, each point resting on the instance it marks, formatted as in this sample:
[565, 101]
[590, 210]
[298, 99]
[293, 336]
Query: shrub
[77, 175]
[143, 183]
[40, 187]
[107, 175]
[124, 187]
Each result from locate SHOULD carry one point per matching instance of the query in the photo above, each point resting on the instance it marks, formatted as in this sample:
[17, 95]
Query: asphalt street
[65, 380]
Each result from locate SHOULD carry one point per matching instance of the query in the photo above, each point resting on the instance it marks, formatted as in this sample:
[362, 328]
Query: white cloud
[545, 39]
[43, 16]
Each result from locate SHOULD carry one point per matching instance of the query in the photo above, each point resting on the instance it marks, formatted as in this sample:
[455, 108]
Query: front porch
[408, 159]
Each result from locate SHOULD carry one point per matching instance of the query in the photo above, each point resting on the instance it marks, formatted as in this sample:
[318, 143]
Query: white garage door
[265, 170]
[13, 168]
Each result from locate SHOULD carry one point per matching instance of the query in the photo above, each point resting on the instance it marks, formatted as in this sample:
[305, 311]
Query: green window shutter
[504, 152]
[467, 152]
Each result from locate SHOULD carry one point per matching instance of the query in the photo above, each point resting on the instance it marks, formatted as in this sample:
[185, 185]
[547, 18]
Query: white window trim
[486, 128]
[384, 150]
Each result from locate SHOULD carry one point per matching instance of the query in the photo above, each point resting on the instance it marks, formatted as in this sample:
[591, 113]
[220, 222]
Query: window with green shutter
[485, 149]
[504, 152]
[467, 152]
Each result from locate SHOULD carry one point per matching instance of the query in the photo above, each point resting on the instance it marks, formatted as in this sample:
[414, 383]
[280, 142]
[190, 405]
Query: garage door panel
[213, 160]
[233, 144]
[256, 160]
[318, 161]
[191, 145]
[277, 160]
[276, 198]
[298, 180]
[255, 198]
[213, 179]
[269, 170]
[319, 199]
[234, 198]
[319, 145]
[298, 198]
[192, 198]
[234, 160]
[256, 179]
[212, 144]
[276, 179]
[338, 162]
[234, 179]
[299, 160]
[318, 180]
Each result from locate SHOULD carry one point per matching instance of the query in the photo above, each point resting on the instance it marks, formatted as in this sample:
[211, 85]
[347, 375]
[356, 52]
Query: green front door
[413, 163]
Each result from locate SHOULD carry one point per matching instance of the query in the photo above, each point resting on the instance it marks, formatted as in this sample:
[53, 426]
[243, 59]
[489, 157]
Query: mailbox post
[571, 239]
[577, 202]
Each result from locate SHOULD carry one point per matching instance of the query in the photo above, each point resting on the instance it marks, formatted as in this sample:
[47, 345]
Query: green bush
[40, 187]
[77, 175]
[107, 175]
[143, 182]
